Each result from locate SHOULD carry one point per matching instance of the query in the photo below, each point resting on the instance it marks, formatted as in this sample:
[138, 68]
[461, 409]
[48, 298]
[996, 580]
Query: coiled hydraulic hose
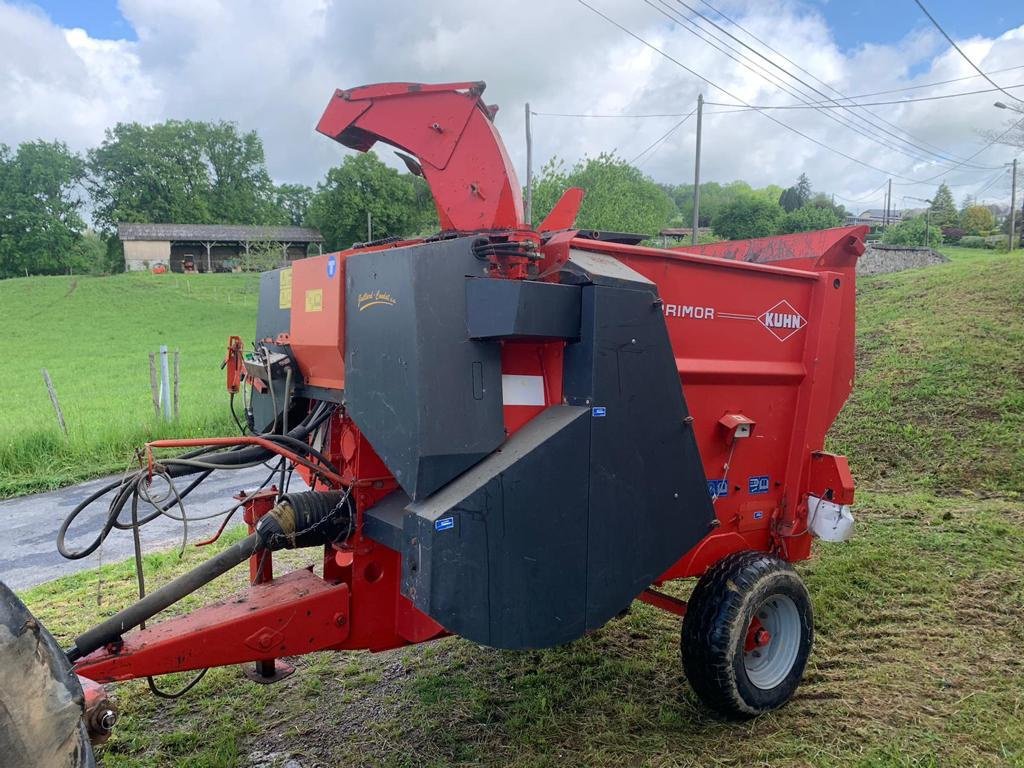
[202, 461]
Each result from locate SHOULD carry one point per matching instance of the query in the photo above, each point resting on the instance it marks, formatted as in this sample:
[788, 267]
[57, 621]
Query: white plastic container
[829, 521]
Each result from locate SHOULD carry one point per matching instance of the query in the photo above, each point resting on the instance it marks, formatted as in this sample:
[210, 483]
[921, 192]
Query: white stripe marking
[517, 389]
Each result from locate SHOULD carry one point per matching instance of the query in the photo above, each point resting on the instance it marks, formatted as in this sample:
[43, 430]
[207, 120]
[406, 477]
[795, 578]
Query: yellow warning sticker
[315, 300]
[285, 298]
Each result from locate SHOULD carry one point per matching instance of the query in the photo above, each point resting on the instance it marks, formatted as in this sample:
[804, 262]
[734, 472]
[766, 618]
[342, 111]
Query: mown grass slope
[919, 619]
[938, 402]
[94, 335]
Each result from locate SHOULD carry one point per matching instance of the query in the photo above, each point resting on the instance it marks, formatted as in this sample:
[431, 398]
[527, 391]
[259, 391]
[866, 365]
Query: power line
[866, 197]
[758, 70]
[940, 153]
[997, 139]
[731, 95]
[960, 51]
[809, 105]
[825, 105]
[929, 85]
[788, 127]
[664, 136]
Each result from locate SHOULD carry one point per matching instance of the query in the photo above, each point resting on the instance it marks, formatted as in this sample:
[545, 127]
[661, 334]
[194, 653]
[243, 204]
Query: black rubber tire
[715, 625]
[41, 700]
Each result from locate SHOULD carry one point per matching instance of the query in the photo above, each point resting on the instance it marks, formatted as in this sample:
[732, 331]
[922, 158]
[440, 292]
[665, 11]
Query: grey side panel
[500, 555]
[521, 309]
[648, 495]
[271, 321]
[383, 521]
[427, 398]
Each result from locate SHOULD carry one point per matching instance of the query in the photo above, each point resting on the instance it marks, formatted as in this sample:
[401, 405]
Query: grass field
[94, 335]
[919, 619]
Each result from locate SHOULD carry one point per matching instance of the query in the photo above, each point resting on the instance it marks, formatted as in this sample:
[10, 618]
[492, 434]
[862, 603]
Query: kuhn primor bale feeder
[510, 434]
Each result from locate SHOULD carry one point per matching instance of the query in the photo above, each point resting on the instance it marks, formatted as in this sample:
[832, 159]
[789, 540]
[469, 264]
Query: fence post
[153, 389]
[56, 403]
[165, 383]
[177, 355]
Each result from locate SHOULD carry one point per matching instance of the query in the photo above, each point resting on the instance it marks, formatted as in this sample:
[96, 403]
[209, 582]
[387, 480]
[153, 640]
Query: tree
[912, 232]
[619, 197]
[943, 209]
[184, 172]
[796, 196]
[293, 201]
[977, 220]
[363, 184]
[747, 217]
[40, 219]
[808, 218]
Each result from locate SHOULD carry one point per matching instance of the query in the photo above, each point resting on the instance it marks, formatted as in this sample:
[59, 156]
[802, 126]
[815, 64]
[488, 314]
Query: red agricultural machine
[508, 433]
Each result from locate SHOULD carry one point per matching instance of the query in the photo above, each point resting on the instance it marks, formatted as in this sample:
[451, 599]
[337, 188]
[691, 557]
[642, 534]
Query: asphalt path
[28, 548]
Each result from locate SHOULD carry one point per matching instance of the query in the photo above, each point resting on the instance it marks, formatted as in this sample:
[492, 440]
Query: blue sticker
[444, 523]
[758, 484]
[599, 411]
[758, 515]
[332, 265]
[718, 488]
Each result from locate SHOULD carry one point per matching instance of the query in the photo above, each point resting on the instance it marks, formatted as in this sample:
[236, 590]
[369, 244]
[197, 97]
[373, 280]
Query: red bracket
[295, 614]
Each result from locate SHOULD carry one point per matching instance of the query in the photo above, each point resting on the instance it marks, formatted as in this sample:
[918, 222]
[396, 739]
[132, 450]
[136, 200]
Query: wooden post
[153, 387]
[177, 355]
[56, 403]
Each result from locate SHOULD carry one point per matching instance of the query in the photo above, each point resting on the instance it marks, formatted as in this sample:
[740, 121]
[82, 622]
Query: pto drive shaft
[299, 520]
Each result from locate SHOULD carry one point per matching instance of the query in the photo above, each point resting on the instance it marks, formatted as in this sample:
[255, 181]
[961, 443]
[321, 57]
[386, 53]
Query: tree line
[182, 172]
[190, 172]
[621, 198]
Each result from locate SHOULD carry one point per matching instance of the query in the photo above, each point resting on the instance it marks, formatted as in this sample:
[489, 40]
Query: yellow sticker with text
[315, 300]
[285, 297]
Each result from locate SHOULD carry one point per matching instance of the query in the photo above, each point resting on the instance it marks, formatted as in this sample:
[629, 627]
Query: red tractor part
[513, 434]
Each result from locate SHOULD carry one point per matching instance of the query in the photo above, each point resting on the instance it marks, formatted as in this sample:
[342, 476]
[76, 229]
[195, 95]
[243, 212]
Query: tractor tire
[746, 635]
[41, 700]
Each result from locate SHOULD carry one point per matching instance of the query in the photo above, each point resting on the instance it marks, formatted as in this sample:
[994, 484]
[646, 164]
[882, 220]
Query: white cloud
[273, 67]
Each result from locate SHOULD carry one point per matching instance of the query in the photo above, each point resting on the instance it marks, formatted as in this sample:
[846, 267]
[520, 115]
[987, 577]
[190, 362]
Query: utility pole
[888, 205]
[369, 227]
[529, 168]
[1013, 204]
[696, 171]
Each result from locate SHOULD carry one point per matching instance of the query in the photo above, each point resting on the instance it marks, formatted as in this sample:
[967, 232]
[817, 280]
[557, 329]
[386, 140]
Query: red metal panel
[317, 334]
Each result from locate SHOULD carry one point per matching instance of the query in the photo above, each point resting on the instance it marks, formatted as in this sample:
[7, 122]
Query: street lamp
[1001, 105]
[927, 214]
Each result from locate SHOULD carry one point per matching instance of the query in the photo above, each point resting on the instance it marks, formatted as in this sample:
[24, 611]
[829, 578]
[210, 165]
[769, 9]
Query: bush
[747, 217]
[808, 218]
[912, 232]
[952, 234]
[1000, 242]
[972, 241]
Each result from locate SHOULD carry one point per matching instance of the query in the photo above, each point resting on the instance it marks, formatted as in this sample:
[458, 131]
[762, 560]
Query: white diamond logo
[782, 320]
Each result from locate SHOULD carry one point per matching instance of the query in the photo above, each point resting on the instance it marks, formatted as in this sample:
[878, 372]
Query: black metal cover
[427, 398]
[521, 309]
[500, 555]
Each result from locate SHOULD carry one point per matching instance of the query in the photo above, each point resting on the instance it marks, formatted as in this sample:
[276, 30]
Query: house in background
[209, 247]
[874, 217]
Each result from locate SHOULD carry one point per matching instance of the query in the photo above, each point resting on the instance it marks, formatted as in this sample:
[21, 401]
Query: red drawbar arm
[451, 133]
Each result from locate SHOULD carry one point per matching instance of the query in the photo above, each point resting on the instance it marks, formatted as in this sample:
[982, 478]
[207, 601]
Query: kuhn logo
[782, 320]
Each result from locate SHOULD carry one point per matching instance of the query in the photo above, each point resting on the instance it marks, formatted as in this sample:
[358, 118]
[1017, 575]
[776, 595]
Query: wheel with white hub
[747, 634]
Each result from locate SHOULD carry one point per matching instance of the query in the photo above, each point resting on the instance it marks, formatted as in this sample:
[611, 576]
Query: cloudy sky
[71, 69]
